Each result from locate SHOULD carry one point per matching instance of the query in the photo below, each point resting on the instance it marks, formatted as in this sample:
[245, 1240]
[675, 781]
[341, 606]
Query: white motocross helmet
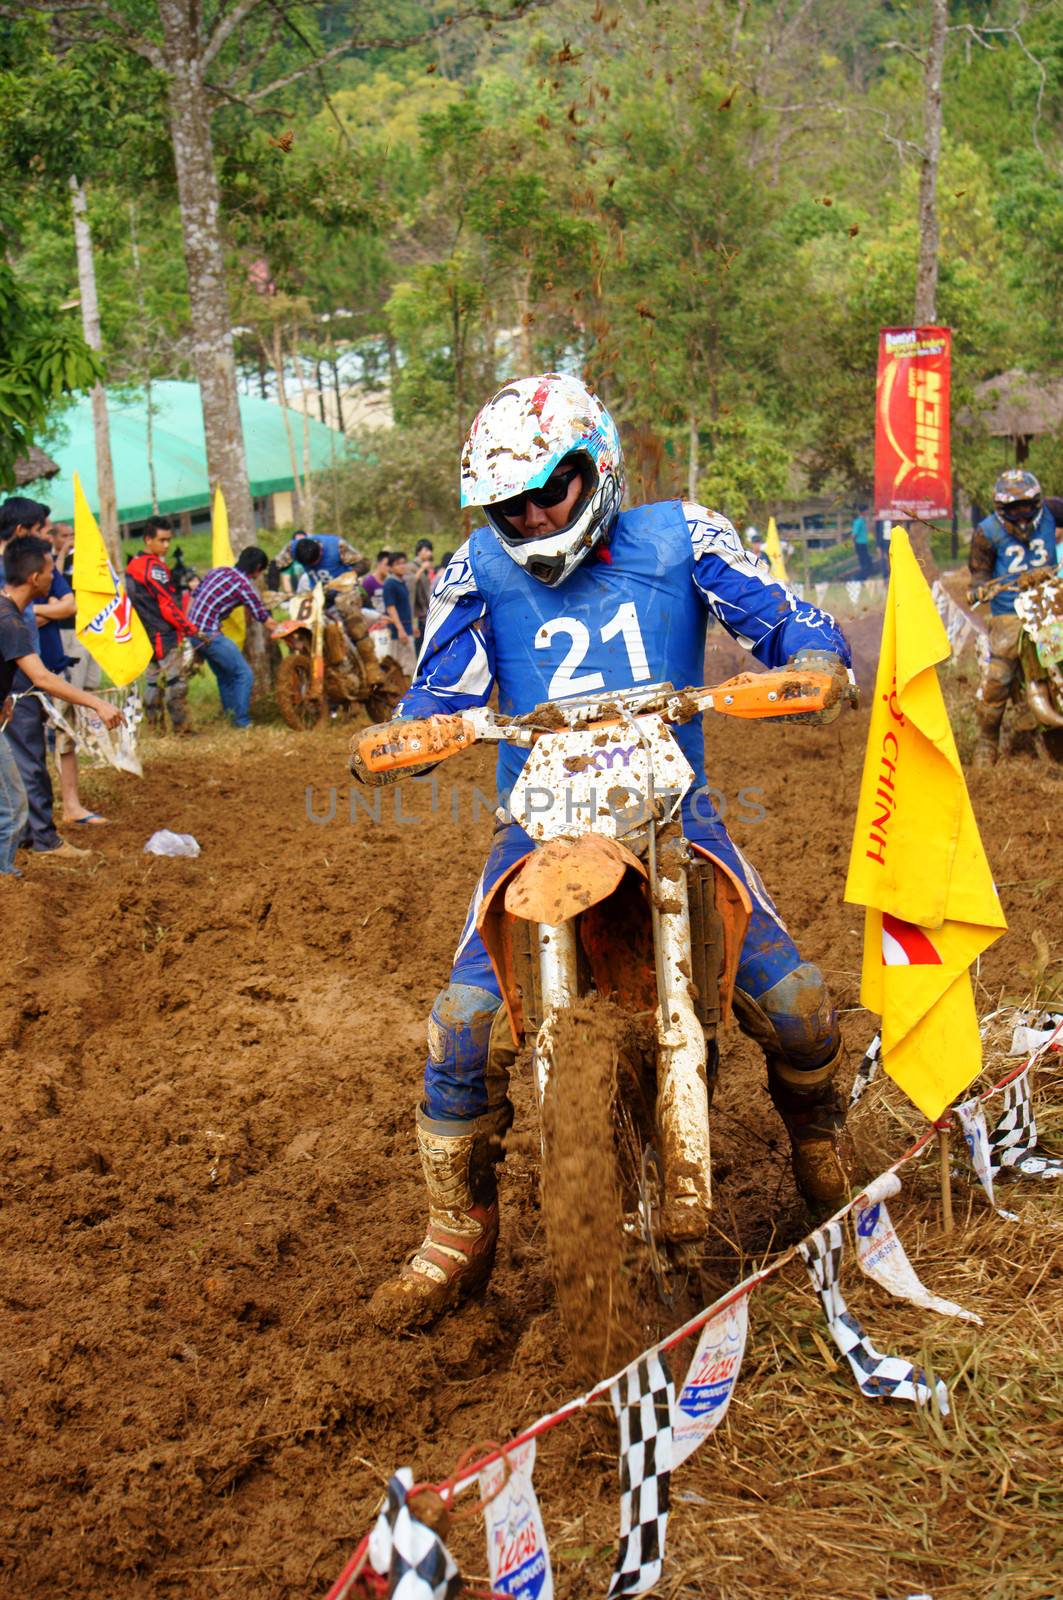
[518, 440]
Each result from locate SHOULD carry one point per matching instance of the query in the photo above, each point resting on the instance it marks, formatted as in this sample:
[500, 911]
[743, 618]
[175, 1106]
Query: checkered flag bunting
[643, 1398]
[413, 1558]
[1012, 1143]
[878, 1376]
[976, 1138]
[867, 1071]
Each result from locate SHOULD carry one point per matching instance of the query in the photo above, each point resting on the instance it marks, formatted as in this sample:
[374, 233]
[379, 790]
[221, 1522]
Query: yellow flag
[221, 555]
[773, 551]
[105, 622]
[917, 861]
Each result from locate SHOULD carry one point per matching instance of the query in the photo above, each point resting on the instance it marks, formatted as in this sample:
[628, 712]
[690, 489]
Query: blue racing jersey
[634, 613]
[1012, 555]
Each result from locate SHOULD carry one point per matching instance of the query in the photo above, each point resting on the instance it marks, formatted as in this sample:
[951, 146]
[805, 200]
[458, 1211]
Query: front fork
[682, 1085]
[682, 1088]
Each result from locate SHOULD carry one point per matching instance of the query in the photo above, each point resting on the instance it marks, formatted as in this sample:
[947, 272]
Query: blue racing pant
[789, 993]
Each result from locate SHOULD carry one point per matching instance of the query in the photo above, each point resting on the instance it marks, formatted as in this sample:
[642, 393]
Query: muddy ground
[208, 1071]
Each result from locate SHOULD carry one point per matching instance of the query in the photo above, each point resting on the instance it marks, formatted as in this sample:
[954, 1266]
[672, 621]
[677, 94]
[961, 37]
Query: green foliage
[750, 464]
[44, 360]
[399, 488]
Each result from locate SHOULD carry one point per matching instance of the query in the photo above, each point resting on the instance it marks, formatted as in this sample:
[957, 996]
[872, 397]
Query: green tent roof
[178, 451]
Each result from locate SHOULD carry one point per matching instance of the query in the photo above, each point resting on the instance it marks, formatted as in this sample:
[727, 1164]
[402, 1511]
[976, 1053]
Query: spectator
[218, 593]
[62, 537]
[28, 569]
[184, 577]
[335, 555]
[860, 542]
[80, 670]
[27, 730]
[397, 610]
[419, 581]
[306, 569]
[373, 582]
[756, 551]
[156, 602]
[883, 532]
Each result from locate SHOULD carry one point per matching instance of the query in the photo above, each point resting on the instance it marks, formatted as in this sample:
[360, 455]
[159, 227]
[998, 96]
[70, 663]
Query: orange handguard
[788, 692]
[393, 747]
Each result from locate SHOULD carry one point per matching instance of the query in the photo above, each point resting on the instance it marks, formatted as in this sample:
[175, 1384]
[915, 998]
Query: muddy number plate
[596, 780]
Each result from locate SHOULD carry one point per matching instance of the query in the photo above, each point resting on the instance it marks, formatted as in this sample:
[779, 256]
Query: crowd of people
[185, 615]
[36, 659]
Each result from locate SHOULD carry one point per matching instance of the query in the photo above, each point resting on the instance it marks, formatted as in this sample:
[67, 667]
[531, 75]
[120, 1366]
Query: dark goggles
[1019, 510]
[551, 494]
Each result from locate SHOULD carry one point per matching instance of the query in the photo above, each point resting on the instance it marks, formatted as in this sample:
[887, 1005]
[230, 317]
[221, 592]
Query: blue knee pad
[789, 991]
[459, 1031]
[802, 1014]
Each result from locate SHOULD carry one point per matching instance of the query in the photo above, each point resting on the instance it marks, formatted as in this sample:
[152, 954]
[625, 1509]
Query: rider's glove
[819, 661]
[976, 594]
[810, 660]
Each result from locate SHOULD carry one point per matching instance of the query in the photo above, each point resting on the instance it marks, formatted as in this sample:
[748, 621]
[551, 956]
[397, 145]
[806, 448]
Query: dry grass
[809, 1491]
[812, 1491]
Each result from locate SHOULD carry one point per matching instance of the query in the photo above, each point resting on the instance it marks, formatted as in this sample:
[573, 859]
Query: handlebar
[1030, 579]
[380, 754]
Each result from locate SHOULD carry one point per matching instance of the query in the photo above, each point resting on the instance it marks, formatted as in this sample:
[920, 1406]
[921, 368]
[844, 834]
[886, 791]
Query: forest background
[707, 207]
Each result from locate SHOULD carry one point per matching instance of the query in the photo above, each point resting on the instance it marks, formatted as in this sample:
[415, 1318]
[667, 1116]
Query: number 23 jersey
[634, 613]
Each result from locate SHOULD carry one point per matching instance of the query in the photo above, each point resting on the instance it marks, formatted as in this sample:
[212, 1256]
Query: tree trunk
[522, 295]
[309, 521]
[212, 338]
[149, 414]
[692, 460]
[282, 398]
[926, 281]
[101, 427]
[334, 364]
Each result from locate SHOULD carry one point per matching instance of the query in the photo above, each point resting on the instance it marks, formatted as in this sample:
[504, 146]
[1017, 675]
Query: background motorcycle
[1039, 607]
[332, 661]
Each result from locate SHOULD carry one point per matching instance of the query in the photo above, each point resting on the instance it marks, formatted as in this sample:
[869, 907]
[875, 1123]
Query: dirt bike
[333, 663]
[1039, 607]
[616, 942]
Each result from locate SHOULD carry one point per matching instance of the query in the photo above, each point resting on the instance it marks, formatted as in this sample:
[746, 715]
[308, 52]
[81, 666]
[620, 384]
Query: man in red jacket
[150, 585]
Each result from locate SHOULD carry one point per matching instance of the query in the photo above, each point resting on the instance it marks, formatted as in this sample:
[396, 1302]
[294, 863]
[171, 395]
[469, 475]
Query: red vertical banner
[913, 461]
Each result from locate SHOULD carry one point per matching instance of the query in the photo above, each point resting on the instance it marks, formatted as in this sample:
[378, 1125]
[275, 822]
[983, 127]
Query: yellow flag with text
[773, 551]
[105, 622]
[917, 861]
[221, 555]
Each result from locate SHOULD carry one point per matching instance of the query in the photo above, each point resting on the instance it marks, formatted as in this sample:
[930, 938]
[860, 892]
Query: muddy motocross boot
[458, 1251]
[813, 1112]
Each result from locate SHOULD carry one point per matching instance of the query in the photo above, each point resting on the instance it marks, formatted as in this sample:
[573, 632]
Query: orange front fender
[567, 876]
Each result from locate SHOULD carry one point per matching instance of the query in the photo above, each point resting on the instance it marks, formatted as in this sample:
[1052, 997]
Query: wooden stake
[946, 1185]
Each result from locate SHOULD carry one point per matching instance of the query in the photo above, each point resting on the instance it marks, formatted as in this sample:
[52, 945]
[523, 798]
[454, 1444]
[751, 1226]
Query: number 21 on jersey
[567, 679]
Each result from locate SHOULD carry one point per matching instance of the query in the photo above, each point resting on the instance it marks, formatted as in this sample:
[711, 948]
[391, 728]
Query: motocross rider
[559, 595]
[1018, 536]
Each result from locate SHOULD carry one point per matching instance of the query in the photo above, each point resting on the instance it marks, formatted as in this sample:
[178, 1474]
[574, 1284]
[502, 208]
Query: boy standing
[28, 568]
[156, 602]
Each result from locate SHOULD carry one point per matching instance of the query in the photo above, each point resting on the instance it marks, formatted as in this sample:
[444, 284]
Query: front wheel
[601, 1183]
[300, 707]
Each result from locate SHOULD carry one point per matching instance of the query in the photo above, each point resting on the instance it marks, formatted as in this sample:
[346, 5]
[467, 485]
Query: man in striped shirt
[219, 592]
